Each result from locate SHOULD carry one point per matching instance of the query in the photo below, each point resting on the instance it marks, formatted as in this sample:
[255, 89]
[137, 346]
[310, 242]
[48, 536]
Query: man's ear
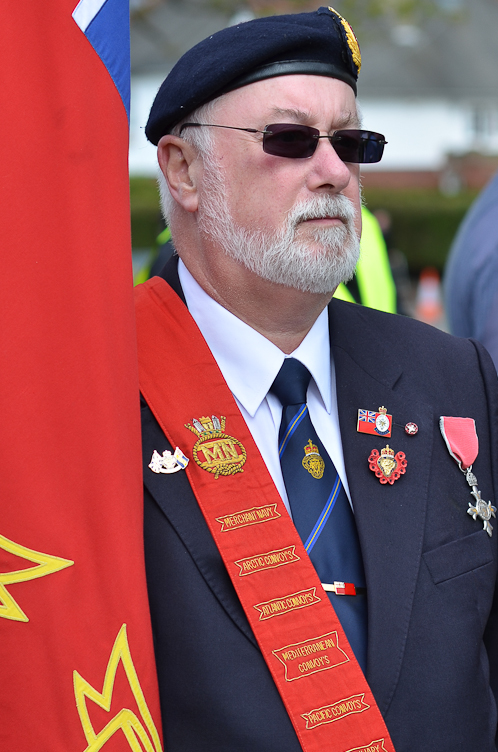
[177, 160]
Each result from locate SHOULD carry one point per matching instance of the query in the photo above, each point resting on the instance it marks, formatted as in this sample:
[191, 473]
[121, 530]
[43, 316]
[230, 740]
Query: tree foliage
[360, 13]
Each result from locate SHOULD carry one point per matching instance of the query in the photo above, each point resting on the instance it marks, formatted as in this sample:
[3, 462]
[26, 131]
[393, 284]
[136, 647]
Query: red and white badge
[375, 424]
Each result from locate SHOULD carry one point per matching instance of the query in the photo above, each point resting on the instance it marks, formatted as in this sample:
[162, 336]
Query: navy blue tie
[320, 508]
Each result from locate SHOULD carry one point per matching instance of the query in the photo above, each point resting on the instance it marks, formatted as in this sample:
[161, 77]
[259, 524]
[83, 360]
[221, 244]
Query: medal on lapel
[387, 466]
[460, 436]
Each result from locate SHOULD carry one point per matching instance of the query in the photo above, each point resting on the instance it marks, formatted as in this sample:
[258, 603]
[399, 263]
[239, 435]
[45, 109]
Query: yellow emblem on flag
[214, 450]
[312, 462]
[46, 564]
[138, 735]
[352, 41]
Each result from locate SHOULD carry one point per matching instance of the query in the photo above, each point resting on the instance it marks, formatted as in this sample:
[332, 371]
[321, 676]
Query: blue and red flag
[375, 423]
[76, 652]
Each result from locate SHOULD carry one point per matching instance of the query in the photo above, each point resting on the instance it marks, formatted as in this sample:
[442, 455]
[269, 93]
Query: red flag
[76, 653]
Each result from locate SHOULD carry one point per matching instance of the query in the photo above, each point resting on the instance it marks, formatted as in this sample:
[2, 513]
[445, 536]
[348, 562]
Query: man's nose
[329, 172]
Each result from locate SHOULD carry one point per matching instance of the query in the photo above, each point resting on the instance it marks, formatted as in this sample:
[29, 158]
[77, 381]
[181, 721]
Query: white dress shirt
[249, 363]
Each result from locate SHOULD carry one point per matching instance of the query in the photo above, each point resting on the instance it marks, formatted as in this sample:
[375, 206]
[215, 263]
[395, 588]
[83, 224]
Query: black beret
[321, 43]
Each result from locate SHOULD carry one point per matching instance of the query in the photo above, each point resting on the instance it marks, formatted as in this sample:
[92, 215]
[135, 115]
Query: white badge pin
[168, 462]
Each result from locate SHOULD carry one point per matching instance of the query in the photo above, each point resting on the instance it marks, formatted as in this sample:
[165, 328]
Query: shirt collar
[248, 361]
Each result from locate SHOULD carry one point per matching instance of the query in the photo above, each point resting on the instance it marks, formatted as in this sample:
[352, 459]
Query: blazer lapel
[169, 273]
[390, 518]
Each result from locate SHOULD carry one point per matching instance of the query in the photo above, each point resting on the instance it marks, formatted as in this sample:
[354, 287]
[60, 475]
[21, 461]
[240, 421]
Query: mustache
[337, 206]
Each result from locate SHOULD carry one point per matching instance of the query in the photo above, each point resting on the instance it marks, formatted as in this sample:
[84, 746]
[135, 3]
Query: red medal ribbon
[321, 684]
[461, 439]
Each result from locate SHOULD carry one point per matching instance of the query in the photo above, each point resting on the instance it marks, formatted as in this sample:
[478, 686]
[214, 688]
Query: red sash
[322, 686]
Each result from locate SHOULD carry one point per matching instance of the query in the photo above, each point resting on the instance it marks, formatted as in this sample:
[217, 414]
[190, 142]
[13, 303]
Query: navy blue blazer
[430, 568]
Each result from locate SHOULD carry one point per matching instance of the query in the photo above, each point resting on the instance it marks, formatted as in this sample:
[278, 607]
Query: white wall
[420, 133]
[143, 160]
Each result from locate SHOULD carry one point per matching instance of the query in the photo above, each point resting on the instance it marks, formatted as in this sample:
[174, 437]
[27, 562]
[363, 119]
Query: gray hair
[202, 139]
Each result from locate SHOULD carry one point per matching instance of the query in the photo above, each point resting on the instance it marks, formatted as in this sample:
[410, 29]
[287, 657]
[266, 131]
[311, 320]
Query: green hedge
[424, 222]
[146, 220]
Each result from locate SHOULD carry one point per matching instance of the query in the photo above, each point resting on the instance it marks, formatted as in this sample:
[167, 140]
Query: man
[283, 401]
[471, 276]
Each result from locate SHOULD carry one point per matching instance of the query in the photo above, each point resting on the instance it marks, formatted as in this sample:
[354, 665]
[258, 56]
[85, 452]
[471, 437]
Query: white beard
[277, 256]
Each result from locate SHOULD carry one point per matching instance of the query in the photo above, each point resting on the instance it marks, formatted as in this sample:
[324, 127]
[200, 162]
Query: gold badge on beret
[351, 37]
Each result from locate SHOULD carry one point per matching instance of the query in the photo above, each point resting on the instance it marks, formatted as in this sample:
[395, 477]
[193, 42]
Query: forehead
[311, 100]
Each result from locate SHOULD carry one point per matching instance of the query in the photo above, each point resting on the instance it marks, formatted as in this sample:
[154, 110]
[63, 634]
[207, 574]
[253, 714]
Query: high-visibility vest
[373, 273]
[143, 274]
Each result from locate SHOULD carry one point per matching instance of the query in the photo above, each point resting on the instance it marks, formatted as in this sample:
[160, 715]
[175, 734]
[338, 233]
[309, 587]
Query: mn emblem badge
[312, 462]
[214, 450]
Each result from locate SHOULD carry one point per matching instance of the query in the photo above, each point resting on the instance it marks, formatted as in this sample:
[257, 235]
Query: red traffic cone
[429, 302]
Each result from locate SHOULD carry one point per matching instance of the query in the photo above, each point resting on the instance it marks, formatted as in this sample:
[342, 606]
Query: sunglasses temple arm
[213, 125]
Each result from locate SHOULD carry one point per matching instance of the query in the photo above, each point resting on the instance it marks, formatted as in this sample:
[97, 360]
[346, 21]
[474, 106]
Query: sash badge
[215, 451]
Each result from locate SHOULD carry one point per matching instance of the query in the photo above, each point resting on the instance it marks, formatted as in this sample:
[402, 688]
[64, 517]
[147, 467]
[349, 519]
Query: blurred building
[431, 89]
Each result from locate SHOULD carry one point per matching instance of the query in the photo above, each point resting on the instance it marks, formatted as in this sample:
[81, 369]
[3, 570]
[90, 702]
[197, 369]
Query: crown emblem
[215, 451]
[312, 462]
[387, 451]
[382, 422]
[206, 424]
[311, 448]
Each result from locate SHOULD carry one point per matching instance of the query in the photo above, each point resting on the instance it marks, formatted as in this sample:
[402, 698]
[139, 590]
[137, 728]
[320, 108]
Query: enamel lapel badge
[460, 437]
[375, 424]
[387, 466]
[167, 462]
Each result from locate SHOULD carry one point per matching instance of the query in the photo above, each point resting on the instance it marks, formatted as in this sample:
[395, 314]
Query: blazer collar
[169, 273]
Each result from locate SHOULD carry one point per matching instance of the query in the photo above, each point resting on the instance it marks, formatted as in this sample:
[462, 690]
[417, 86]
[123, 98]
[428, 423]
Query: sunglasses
[300, 141]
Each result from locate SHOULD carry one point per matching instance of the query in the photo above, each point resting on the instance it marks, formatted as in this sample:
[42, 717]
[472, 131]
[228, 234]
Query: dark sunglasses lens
[365, 147]
[293, 141]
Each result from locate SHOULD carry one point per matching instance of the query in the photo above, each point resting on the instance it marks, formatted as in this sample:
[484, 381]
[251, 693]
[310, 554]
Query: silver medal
[482, 509]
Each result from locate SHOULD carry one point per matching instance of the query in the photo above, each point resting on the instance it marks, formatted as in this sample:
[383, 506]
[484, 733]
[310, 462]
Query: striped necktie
[319, 505]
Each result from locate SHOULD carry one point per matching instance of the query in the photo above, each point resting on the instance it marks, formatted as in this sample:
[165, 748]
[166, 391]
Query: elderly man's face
[292, 221]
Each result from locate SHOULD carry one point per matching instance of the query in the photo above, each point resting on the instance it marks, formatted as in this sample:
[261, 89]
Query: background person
[471, 274]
